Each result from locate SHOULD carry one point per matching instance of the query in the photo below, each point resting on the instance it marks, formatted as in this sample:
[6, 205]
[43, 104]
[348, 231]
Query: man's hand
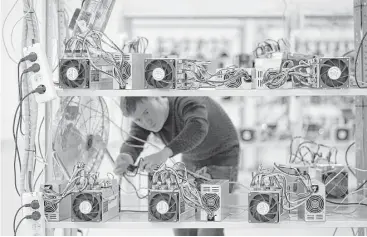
[149, 163]
[122, 162]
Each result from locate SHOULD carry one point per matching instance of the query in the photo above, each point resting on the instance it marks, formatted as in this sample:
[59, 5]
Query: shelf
[238, 219]
[203, 92]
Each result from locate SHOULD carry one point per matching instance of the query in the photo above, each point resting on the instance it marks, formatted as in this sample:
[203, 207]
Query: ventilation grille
[315, 204]
[105, 206]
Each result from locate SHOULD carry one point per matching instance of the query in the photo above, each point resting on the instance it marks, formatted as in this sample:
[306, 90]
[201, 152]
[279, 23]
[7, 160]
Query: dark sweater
[197, 127]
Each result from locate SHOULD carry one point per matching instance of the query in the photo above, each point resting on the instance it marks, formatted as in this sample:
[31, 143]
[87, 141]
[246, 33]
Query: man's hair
[128, 104]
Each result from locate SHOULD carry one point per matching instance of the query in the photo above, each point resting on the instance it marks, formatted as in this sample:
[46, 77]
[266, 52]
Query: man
[196, 127]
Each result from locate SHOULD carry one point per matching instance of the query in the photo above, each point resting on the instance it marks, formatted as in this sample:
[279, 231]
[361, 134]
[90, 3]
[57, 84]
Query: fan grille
[74, 73]
[315, 204]
[159, 73]
[264, 208]
[83, 200]
[163, 206]
[50, 207]
[212, 201]
[334, 72]
[233, 82]
[337, 187]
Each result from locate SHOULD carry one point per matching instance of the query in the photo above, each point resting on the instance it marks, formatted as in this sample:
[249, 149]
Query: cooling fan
[163, 206]
[160, 73]
[334, 72]
[315, 204]
[337, 186]
[86, 207]
[80, 134]
[264, 207]
[74, 73]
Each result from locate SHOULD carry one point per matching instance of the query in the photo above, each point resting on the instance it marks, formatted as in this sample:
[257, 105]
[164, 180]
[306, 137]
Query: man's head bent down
[149, 113]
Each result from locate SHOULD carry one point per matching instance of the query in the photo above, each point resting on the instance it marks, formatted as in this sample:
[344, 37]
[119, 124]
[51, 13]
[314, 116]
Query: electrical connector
[41, 89]
[32, 57]
[34, 68]
[36, 215]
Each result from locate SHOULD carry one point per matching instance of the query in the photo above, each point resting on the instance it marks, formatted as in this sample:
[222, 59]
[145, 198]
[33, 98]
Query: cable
[356, 59]
[346, 204]
[3, 33]
[336, 229]
[16, 229]
[361, 186]
[346, 159]
[15, 217]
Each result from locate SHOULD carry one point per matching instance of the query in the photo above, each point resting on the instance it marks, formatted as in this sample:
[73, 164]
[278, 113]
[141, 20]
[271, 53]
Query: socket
[43, 76]
[30, 227]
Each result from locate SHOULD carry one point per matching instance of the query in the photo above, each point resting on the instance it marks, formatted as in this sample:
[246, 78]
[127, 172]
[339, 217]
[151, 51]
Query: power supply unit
[215, 195]
[160, 73]
[264, 206]
[61, 211]
[335, 179]
[132, 70]
[333, 73]
[314, 208]
[232, 81]
[96, 205]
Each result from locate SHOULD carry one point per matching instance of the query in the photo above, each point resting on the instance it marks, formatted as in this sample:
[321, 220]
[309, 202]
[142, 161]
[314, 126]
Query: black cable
[20, 91]
[38, 139]
[346, 159]
[356, 59]
[15, 136]
[136, 191]
[347, 204]
[361, 186]
[20, 222]
[15, 217]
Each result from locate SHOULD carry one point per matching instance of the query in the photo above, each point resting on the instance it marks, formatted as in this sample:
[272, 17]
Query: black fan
[315, 204]
[86, 207]
[159, 74]
[334, 73]
[342, 134]
[211, 201]
[264, 208]
[338, 187]
[232, 82]
[74, 73]
[163, 206]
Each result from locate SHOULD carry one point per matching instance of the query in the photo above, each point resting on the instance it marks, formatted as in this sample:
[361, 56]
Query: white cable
[347, 196]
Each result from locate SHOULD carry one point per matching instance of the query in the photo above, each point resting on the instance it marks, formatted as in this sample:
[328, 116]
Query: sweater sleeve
[196, 125]
[138, 132]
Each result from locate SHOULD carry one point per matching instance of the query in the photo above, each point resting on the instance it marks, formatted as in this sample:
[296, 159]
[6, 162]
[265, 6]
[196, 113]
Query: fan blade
[332, 62]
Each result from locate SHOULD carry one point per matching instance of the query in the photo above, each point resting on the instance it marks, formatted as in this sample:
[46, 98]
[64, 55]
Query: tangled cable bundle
[303, 74]
[270, 46]
[79, 181]
[276, 178]
[178, 175]
[313, 154]
[138, 45]
[198, 76]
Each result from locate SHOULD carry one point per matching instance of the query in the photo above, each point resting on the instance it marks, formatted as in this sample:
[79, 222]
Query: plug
[131, 168]
[32, 57]
[34, 68]
[36, 215]
[41, 89]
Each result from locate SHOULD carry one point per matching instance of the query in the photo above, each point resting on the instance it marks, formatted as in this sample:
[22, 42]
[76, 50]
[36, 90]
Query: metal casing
[61, 211]
[264, 206]
[105, 200]
[314, 209]
[215, 195]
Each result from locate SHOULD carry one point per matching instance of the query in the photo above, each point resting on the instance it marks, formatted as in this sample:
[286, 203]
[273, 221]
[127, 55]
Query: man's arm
[195, 117]
[138, 132]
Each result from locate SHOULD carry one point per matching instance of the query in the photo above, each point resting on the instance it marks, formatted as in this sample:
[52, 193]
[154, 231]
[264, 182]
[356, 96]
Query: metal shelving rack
[126, 221]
